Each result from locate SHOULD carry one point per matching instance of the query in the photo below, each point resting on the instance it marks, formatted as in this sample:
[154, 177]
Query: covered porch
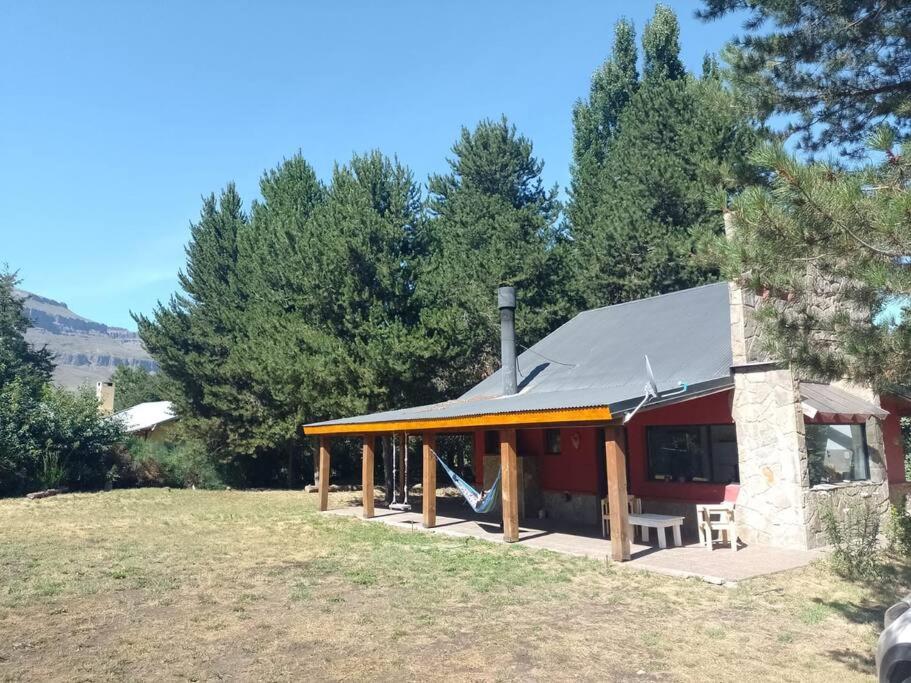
[691, 560]
[505, 426]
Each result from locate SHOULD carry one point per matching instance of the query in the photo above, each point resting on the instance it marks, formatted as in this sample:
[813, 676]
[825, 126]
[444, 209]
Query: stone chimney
[104, 391]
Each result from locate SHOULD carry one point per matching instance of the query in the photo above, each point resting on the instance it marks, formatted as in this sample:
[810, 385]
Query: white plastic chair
[716, 519]
[635, 507]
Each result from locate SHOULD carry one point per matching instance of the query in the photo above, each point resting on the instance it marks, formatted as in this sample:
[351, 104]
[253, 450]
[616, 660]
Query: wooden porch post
[367, 477]
[509, 481]
[616, 493]
[323, 473]
[429, 484]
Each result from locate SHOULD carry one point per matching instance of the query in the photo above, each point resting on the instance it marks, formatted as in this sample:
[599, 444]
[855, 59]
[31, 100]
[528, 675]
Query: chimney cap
[506, 297]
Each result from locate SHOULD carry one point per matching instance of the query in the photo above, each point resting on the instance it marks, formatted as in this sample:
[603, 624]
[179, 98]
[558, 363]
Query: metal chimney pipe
[506, 302]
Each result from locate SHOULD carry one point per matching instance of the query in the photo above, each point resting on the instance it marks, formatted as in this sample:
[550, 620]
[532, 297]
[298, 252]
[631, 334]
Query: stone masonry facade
[776, 504]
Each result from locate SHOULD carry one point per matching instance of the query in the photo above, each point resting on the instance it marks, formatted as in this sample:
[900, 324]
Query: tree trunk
[294, 473]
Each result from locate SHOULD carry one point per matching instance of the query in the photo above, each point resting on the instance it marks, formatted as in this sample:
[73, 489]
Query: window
[837, 453]
[491, 442]
[552, 441]
[697, 453]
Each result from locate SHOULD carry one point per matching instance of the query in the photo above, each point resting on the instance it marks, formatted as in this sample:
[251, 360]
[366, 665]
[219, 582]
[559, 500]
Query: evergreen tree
[595, 123]
[492, 223]
[192, 336]
[134, 385]
[676, 139]
[48, 436]
[24, 374]
[836, 70]
[827, 251]
[277, 343]
[19, 359]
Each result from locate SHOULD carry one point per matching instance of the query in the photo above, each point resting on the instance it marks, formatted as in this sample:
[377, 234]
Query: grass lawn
[167, 584]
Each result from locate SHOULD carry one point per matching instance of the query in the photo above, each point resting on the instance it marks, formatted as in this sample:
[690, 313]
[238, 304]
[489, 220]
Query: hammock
[479, 501]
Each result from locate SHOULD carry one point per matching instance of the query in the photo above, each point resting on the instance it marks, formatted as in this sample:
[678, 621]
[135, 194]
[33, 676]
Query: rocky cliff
[85, 351]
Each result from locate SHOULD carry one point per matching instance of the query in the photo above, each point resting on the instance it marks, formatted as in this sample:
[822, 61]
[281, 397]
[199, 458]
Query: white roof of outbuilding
[146, 415]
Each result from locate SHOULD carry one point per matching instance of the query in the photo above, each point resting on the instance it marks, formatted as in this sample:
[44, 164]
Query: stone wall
[844, 496]
[772, 456]
[581, 508]
[776, 505]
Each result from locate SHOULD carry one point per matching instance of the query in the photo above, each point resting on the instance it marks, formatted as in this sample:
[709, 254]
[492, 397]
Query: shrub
[854, 539]
[165, 463]
[77, 443]
[898, 530]
[53, 437]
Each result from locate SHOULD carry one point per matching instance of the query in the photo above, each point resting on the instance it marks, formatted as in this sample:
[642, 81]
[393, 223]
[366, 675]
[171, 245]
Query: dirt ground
[161, 584]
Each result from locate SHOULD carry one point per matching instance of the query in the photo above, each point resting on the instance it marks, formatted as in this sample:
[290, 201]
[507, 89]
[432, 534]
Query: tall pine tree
[492, 223]
[677, 137]
[192, 336]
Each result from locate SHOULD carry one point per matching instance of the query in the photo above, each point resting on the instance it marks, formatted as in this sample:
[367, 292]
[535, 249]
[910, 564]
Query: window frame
[865, 443]
[705, 430]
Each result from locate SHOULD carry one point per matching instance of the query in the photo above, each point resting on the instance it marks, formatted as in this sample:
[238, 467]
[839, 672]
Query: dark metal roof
[597, 359]
[823, 401]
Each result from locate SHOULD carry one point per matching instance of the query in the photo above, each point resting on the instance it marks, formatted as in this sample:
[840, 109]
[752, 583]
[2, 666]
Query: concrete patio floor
[720, 566]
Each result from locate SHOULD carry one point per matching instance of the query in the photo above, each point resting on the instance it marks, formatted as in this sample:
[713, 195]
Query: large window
[837, 453]
[698, 453]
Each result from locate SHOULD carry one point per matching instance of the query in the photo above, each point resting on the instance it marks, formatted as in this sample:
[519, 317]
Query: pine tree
[677, 138]
[492, 223]
[191, 337]
[595, 123]
[24, 376]
[19, 359]
[135, 385]
[826, 249]
[834, 70]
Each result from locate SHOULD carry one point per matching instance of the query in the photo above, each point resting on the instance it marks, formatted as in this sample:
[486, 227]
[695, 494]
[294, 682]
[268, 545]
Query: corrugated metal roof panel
[597, 359]
[146, 415]
[828, 402]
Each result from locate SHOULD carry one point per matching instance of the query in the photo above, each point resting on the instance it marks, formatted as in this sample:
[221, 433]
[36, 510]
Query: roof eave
[526, 418]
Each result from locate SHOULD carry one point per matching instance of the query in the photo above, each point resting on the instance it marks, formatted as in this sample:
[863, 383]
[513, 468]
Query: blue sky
[115, 117]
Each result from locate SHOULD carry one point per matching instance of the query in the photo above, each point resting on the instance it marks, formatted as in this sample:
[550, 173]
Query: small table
[658, 522]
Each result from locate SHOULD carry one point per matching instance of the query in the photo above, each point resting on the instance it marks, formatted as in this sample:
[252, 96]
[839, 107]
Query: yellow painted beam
[528, 418]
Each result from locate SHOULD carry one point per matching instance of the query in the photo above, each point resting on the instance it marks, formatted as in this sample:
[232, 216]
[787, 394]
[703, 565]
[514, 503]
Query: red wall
[892, 440]
[714, 409]
[576, 468]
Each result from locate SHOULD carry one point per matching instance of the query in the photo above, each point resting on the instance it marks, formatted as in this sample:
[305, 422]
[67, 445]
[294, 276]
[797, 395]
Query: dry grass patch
[200, 585]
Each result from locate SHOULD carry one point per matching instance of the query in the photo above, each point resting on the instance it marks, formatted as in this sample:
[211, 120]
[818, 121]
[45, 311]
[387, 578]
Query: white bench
[649, 520]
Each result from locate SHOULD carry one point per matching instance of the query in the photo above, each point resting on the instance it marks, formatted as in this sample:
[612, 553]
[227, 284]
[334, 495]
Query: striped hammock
[479, 501]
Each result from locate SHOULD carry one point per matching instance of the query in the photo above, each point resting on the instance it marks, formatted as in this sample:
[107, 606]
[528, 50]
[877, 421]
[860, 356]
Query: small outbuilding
[154, 420]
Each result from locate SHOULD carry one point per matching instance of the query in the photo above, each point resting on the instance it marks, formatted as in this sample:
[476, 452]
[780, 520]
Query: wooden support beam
[509, 481]
[429, 488]
[323, 473]
[617, 499]
[367, 477]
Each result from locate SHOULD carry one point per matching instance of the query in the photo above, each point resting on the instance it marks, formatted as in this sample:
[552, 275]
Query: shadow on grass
[863, 664]
[877, 594]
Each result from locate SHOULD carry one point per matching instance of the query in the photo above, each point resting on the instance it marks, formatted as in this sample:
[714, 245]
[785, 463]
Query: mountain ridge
[85, 351]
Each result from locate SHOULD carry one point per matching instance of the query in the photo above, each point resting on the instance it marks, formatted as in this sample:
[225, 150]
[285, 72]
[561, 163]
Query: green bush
[898, 530]
[854, 538]
[53, 437]
[165, 463]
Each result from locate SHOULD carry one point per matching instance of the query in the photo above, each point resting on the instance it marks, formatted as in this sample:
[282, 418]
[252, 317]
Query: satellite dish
[651, 388]
[650, 391]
